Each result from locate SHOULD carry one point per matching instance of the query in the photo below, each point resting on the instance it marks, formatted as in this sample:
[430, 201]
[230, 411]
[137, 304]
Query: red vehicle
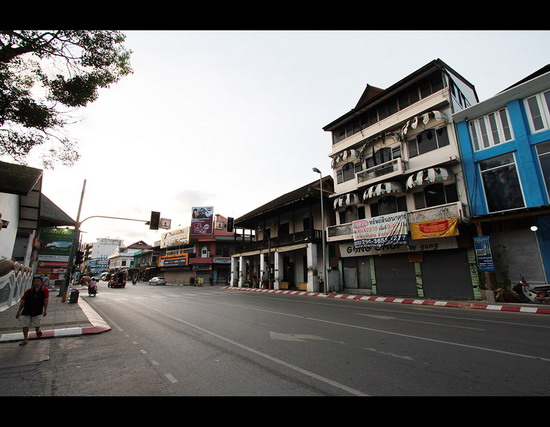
[117, 280]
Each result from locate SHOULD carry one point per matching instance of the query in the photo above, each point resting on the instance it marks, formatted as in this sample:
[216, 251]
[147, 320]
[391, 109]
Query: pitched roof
[18, 179]
[52, 215]
[301, 194]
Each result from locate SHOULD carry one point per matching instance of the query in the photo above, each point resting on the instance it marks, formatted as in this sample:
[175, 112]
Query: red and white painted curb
[454, 304]
[98, 325]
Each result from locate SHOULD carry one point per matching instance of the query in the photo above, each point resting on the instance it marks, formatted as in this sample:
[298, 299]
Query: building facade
[400, 201]
[285, 248]
[184, 257]
[505, 144]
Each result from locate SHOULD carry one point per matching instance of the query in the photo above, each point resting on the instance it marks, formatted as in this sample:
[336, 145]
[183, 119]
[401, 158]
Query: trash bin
[74, 296]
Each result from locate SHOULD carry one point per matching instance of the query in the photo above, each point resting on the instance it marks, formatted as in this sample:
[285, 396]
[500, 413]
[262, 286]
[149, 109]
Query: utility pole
[74, 246]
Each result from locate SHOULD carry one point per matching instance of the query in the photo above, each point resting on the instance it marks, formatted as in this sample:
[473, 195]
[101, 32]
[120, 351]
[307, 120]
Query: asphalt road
[209, 341]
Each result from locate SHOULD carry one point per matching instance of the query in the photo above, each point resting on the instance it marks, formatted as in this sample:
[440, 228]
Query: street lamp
[322, 230]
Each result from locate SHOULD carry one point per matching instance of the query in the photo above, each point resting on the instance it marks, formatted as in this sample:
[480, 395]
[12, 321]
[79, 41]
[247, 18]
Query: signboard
[176, 237]
[430, 229]
[381, 230]
[179, 260]
[202, 220]
[349, 250]
[483, 253]
[55, 243]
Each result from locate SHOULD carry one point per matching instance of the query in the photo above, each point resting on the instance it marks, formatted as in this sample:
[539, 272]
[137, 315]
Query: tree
[46, 74]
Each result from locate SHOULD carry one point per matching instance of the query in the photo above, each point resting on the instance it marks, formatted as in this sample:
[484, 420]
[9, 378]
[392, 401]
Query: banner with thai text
[431, 229]
[381, 230]
[202, 220]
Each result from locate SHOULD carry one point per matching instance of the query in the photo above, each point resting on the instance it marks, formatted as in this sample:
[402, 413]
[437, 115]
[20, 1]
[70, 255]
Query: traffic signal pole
[153, 222]
[74, 246]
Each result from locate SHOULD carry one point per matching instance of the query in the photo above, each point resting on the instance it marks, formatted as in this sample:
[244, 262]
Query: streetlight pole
[323, 231]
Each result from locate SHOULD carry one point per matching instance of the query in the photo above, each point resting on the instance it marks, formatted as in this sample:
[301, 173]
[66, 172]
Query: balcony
[343, 232]
[385, 170]
[306, 236]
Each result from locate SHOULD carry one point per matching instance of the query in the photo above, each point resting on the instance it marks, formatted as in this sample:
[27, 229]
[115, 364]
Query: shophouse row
[423, 176]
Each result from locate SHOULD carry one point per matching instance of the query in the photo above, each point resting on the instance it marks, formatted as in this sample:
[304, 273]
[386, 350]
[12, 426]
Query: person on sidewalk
[33, 306]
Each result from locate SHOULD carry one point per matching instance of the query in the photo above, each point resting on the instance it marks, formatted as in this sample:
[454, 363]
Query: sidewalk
[476, 305]
[63, 319]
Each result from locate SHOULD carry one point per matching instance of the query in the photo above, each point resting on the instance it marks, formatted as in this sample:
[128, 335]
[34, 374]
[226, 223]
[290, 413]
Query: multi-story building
[396, 162]
[505, 144]
[205, 257]
[285, 248]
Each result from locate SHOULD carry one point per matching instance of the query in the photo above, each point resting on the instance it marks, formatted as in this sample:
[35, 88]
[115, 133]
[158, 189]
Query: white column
[312, 268]
[263, 274]
[278, 267]
[241, 271]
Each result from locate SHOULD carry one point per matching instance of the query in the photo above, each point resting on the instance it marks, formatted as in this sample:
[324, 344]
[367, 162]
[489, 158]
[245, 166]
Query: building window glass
[538, 111]
[435, 195]
[387, 205]
[501, 183]
[427, 141]
[490, 130]
[544, 158]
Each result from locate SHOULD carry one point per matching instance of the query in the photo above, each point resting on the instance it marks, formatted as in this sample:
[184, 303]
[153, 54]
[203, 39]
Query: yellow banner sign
[429, 230]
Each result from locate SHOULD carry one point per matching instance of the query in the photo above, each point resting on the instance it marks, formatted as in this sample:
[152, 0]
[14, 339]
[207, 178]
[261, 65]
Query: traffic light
[79, 257]
[229, 225]
[155, 219]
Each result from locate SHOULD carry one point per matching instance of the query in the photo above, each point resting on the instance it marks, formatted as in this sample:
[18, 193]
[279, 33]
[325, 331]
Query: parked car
[157, 281]
[84, 280]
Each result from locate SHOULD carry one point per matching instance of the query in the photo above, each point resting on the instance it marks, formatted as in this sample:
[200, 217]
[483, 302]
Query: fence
[15, 279]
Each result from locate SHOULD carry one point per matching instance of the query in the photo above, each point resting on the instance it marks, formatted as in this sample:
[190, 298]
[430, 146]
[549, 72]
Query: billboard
[175, 237]
[381, 230]
[202, 219]
[55, 243]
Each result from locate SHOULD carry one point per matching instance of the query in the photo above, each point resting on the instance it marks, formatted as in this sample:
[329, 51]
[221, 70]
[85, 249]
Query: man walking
[34, 305]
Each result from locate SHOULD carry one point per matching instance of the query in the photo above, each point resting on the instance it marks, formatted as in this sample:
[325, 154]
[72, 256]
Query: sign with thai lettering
[381, 230]
[483, 253]
[430, 229]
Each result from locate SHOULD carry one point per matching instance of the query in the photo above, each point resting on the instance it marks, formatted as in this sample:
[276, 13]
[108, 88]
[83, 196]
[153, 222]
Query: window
[435, 195]
[538, 111]
[501, 183]
[490, 130]
[544, 158]
[406, 97]
[387, 205]
[345, 173]
[428, 140]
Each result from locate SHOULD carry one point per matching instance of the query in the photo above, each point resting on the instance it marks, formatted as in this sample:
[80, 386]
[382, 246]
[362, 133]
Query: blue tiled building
[505, 152]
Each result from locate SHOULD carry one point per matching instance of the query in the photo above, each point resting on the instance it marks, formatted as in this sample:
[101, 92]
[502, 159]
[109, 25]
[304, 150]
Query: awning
[346, 200]
[382, 188]
[425, 118]
[429, 176]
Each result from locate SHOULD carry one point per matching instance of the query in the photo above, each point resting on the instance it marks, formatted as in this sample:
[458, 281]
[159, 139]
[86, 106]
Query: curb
[98, 325]
[452, 304]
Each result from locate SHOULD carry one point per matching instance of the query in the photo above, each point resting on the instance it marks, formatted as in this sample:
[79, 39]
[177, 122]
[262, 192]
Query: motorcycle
[92, 290]
[527, 293]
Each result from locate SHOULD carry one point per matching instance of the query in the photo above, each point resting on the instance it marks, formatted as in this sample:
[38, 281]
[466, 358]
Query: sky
[233, 119]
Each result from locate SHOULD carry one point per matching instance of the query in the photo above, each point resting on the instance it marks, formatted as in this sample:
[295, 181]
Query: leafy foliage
[67, 67]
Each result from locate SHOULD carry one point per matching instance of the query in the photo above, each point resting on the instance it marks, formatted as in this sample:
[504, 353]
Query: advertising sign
[55, 243]
[381, 230]
[176, 237]
[179, 260]
[483, 253]
[430, 229]
[202, 220]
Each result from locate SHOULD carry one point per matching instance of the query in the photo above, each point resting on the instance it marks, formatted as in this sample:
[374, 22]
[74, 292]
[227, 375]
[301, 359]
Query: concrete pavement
[62, 320]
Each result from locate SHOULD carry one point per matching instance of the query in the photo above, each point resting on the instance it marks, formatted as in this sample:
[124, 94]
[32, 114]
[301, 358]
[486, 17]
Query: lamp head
[316, 170]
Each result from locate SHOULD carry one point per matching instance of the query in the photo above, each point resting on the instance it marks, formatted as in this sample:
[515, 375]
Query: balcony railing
[287, 239]
[385, 170]
[456, 209]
